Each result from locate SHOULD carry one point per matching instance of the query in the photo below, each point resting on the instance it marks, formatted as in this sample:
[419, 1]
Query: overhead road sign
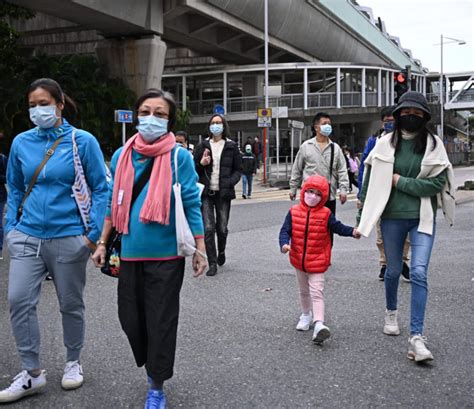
[264, 117]
[123, 116]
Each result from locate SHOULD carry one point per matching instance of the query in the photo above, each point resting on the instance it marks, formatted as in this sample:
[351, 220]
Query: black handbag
[114, 243]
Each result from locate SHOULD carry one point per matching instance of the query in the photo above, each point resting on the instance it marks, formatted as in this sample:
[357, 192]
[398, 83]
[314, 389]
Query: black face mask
[411, 123]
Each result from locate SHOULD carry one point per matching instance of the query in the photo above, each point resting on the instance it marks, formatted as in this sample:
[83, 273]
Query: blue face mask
[216, 129]
[388, 126]
[325, 129]
[44, 116]
[151, 128]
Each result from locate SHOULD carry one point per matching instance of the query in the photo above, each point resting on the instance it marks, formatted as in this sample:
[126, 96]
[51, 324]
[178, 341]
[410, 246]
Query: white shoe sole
[69, 386]
[321, 336]
[413, 357]
[391, 332]
[305, 328]
[34, 391]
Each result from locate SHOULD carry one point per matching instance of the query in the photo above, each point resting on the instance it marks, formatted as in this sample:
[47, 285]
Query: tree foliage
[80, 76]
[84, 80]
[182, 120]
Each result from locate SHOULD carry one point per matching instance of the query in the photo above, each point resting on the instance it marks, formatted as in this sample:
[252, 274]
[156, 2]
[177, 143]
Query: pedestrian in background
[219, 166]
[388, 122]
[408, 174]
[249, 170]
[257, 151]
[352, 167]
[182, 139]
[3, 196]
[151, 272]
[46, 233]
[306, 235]
[321, 156]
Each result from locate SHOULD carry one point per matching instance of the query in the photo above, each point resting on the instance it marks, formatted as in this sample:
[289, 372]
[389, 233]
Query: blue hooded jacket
[50, 211]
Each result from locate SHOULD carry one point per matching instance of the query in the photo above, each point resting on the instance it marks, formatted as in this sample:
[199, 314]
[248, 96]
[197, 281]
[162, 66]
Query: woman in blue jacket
[47, 233]
[151, 271]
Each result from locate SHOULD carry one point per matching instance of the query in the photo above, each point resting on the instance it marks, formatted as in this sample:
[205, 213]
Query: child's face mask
[311, 198]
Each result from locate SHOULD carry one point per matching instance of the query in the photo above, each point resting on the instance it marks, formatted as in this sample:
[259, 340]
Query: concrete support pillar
[338, 87]
[185, 94]
[363, 88]
[224, 91]
[387, 88]
[139, 62]
[305, 88]
[392, 90]
[379, 88]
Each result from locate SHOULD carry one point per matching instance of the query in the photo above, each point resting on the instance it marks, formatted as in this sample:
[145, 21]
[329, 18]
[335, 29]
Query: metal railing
[292, 101]
[280, 170]
[321, 100]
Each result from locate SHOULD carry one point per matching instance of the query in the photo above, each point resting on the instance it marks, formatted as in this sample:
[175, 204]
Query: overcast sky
[420, 23]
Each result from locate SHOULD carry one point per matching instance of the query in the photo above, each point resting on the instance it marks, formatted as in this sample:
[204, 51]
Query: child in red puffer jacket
[306, 234]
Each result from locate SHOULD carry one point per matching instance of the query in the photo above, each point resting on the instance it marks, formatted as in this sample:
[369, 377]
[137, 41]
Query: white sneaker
[23, 384]
[73, 377]
[304, 322]
[391, 323]
[417, 349]
[321, 333]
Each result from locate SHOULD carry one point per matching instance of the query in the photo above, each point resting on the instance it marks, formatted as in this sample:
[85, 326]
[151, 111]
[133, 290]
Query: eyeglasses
[157, 114]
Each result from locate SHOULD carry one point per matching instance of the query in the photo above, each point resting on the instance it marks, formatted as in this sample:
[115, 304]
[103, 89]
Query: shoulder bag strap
[176, 165]
[331, 163]
[48, 155]
[142, 181]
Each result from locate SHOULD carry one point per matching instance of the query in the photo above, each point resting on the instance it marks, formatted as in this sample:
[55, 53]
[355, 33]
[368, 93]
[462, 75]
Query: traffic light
[401, 84]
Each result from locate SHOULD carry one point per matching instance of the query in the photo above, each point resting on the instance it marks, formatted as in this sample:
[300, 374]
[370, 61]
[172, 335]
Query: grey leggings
[30, 260]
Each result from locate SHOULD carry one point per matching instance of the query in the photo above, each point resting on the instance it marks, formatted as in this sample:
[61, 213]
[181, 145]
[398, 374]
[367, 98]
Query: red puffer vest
[310, 235]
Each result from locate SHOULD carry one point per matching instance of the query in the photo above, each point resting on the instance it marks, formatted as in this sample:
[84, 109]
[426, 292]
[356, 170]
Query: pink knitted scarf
[156, 207]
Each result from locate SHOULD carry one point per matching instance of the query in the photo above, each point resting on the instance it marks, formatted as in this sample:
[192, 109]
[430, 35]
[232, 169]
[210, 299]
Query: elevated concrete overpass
[131, 37]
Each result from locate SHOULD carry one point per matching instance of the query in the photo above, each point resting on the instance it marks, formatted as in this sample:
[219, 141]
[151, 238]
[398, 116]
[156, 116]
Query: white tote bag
[184, 236]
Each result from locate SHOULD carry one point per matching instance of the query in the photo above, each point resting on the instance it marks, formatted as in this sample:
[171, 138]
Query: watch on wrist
[98, 242]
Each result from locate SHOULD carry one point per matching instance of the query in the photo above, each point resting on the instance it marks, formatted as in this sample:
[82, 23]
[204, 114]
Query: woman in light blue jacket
[51, 229]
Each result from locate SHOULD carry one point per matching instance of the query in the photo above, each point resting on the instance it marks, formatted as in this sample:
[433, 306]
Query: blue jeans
[2, 206]
[394, 233]
[247, 184]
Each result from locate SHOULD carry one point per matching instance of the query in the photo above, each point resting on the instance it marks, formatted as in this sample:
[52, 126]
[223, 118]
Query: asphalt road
[237, 346]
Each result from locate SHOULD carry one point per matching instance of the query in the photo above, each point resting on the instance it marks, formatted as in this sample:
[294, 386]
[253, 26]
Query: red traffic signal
[401, 77]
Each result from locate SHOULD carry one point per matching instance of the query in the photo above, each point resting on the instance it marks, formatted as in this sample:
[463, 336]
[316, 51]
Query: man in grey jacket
[316, 156]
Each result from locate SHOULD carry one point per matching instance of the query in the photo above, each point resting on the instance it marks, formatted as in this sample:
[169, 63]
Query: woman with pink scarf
[151, 272]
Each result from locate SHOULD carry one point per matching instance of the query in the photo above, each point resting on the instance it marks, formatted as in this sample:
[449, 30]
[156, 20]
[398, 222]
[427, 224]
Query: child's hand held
[285, 248]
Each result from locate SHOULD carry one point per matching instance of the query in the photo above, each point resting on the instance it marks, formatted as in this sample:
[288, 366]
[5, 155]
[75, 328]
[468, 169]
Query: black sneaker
[382, 272]
[49, 277]
[221, 259]
[244, 197]
[212, 270]
[406, 273]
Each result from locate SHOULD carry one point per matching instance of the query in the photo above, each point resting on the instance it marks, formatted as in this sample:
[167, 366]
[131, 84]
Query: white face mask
[325, 129]
[216, 129]
[44, 116]
[152, 128]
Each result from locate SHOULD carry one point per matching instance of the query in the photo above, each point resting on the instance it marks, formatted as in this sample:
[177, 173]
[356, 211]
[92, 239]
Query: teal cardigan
[155, 241]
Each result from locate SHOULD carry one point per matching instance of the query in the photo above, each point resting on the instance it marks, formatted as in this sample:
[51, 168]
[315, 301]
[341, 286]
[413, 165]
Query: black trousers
[331, 205]
[148, 306]
[352, 180]
[215, 213]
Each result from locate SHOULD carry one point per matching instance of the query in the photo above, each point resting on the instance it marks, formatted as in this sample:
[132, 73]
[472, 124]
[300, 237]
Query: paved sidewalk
[265, 193]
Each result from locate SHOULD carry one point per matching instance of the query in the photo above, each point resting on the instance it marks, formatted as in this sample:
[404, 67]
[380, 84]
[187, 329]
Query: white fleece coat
[381, 159]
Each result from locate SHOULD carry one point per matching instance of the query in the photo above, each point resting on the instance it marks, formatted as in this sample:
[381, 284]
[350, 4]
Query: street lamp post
[441, 80]
[265, 130]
